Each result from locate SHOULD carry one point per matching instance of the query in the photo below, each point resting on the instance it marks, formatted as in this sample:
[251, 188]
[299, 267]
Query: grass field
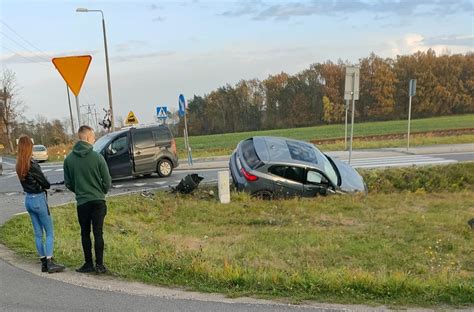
[224, 144]
[404, 244]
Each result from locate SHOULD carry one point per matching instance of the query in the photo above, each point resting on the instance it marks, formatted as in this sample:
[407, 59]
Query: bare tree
[10, 106]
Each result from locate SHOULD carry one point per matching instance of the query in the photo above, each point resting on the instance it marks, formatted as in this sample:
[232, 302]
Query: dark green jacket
[86, 173]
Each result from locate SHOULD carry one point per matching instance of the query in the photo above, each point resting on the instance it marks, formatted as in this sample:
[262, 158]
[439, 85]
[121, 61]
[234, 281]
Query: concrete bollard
[1, 165]
[224, 187]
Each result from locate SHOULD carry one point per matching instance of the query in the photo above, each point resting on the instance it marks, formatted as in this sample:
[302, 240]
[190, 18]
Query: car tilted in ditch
[273, 167]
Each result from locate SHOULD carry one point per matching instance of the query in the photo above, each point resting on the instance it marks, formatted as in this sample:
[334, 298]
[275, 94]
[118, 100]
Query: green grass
[224, 144]
[411, 246]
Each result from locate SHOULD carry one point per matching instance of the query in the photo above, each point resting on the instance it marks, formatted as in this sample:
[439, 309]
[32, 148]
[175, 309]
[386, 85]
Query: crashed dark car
[270, 167]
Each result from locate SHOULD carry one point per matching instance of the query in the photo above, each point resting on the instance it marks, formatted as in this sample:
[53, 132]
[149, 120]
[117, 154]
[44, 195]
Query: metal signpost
[346, 108]
[411, 92]
[182, 113]
[351, 92]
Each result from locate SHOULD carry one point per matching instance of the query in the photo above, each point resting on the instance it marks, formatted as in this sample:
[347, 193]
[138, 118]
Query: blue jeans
[37, 208]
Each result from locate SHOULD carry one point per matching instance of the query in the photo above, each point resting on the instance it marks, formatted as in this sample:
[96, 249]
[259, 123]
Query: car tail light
[249, 177]
[173, 146]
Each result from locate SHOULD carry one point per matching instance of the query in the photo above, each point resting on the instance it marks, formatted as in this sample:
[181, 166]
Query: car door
[117, 156]
[315, 184]
[288, 180]
[144, 151]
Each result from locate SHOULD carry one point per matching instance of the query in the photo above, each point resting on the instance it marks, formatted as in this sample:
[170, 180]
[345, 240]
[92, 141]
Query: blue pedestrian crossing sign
[162, 112]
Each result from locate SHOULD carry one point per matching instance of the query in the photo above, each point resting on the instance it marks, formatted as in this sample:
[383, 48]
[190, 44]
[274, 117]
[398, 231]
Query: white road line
[139, 184]
[10, 194]
[60, 169]
[176, 181]
[403, 164]
[117, 186]
[47, 170]
[160, 182]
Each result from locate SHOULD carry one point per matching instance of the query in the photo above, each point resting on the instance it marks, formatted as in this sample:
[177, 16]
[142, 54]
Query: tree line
[315, 96]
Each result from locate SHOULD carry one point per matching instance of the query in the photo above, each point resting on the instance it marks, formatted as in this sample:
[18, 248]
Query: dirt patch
[398, 136]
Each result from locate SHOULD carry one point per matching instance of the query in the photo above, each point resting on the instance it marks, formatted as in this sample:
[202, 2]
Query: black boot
[44, 266]
[87, 267]
[53, 267]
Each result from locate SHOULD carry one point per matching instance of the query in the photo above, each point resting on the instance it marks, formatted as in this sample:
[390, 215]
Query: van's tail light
[249, 177]
[173, 146]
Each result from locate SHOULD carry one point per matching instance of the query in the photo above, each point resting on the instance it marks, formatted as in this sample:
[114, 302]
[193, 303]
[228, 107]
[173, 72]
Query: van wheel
[164, 168]
[264, 195]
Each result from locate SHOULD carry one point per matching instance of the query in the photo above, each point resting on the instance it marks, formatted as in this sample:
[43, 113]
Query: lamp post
[84, 10]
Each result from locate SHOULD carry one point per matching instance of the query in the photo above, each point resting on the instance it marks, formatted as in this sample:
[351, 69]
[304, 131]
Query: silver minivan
[269, 167]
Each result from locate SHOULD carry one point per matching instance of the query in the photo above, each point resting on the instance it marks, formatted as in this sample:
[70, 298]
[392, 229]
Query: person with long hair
[35, 184]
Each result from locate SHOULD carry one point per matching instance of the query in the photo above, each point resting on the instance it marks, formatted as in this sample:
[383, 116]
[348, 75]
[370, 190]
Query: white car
[40, 153]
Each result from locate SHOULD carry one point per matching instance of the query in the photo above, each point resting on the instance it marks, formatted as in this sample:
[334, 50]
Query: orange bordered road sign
[131, 119]
[73, 69]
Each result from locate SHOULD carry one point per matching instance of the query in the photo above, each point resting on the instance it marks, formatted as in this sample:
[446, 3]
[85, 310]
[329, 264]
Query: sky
[159, 49]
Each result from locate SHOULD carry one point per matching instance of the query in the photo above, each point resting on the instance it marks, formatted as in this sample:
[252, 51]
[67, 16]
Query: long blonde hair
[23, 157]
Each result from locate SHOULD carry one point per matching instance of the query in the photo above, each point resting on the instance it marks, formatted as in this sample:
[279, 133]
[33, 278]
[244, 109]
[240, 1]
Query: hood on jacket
[82, 148]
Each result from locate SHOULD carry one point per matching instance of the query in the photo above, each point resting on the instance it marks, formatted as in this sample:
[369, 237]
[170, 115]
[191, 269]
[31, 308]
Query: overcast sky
[159, 49]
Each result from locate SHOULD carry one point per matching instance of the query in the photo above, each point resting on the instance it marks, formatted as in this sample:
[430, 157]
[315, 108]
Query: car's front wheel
[164, 168]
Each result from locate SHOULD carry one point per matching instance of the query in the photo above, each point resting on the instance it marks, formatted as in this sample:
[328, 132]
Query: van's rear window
[250, 155]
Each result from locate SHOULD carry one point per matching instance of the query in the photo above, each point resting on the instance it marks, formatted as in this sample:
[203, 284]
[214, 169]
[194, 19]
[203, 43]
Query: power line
[26, 49]
[25, 57]
[21, 37]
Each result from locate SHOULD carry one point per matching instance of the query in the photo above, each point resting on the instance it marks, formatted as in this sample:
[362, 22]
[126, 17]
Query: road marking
[20, 213]
[399, 161]
[47, 170]
[176, 181]
[117, 186]
[60, 169]
[139, 184]
[160, 182]
[10, 194]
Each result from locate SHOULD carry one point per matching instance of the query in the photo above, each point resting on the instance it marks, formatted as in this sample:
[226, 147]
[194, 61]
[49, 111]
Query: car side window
[118, 146]
[314, 177]
[162, 135]
[144, 139]
[288, 172]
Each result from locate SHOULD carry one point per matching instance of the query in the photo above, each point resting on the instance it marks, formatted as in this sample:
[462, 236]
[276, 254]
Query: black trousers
[92, 213]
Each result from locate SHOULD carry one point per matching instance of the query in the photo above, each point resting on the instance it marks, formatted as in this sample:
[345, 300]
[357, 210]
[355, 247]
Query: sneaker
[86, 268]
[100, 269]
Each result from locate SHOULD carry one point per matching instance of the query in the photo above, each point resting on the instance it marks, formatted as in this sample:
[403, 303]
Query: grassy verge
[228, 148]
[224, 144]
[411, 246]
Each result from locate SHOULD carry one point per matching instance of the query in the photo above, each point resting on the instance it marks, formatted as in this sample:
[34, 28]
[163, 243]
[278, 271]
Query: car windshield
[101, 143]
[39, 148]
[309, 153]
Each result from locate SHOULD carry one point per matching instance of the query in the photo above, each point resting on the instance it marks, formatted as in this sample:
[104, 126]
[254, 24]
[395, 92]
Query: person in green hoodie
[86, 174]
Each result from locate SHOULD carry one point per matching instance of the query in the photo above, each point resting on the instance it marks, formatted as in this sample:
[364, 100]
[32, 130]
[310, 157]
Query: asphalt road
[21, 290]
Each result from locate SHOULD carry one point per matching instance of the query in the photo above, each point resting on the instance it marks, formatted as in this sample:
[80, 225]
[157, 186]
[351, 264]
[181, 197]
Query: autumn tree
[10, 106]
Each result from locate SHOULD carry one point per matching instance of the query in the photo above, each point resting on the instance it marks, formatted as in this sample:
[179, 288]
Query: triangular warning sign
[73, 69]
[131, 119]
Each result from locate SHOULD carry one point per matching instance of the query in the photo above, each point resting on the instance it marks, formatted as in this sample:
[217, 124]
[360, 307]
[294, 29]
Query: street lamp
[84, 10]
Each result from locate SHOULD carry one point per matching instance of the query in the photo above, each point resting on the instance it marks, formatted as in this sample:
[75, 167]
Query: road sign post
[411, 92]
[182, 113]
[70, 109]
[351, 92]
[346, 108]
